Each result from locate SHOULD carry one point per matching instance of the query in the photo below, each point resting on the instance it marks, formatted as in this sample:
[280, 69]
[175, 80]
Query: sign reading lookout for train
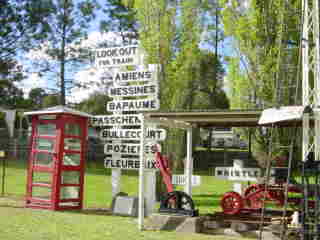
[117, 56]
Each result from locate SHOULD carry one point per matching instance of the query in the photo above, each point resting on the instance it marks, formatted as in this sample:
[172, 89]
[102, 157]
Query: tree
[95, 104]
[11, 96]
[22, 26]
[51, 100]
[264, 74]
[172, 34]
[36, 96]
[122, 19]
[63, 54]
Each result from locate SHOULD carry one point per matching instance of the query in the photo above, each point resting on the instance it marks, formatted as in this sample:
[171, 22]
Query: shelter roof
[283, 117]
[206, 118]
[58, 109]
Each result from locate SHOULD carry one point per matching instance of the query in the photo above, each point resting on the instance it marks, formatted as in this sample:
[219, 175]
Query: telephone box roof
[58, 109]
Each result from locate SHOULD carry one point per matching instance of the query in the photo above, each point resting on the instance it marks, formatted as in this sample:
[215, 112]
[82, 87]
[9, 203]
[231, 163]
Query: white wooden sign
[117, 56]
[130, 148]
[133, 105]
[155, 134]
[116, 120]
[134, 76]
[134, 90]
[181, 180]
[238, 174]
[127, 163]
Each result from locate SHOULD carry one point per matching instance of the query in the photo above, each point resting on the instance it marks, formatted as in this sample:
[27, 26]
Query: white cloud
[33, 81]
[90, 77]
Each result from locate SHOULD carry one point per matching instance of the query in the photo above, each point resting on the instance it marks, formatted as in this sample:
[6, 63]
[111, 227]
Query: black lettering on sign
[127, 163]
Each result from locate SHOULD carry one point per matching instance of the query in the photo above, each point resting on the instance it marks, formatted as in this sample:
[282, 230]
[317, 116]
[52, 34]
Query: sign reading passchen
[116, 120]
[133, 134]
[133, 105]
[117, 56]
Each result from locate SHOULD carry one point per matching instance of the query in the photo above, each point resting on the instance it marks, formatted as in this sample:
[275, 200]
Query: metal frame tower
[311, 103]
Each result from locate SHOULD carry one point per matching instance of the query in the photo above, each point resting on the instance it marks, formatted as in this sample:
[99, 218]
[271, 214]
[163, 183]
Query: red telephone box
[56, 162]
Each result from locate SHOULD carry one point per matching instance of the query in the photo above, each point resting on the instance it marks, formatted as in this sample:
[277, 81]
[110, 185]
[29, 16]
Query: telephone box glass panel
[70, 177]
[45, 144]
[43, 159]
[73, 144]
[72, 129]
[41, 192]
[71, 159]
[46, 129]
[42, 177]
[69, 192]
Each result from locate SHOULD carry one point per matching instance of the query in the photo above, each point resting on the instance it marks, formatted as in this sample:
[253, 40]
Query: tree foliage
[22, 25]
[62, 54]
[264, 71]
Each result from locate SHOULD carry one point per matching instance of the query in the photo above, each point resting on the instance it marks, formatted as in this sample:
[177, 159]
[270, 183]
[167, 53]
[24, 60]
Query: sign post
[2, 155]
[129, 141]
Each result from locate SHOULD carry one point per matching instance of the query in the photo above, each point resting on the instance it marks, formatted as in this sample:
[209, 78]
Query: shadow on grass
[208, 200]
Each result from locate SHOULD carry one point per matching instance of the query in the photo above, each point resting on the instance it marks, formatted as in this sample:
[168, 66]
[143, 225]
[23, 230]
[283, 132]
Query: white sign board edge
[133, 164]
[117, 56]
[152, 134]
[238, 174]
[116, 120]
[150, 90]
[151, 104]
[130, 148]
[145, 75]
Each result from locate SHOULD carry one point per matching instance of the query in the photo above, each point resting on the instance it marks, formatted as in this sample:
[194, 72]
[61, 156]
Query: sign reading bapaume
[133, 105]
[117, 56]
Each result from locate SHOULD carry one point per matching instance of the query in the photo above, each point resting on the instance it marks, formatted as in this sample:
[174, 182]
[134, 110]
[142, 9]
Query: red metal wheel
[277, 195]
[252, 188]
[231, 203]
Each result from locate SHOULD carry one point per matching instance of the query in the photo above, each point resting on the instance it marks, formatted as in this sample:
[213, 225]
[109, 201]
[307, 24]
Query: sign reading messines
[134, 90]
[117, 56]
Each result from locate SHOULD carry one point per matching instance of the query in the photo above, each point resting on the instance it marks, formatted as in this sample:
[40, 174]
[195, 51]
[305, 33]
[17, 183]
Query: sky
[88, 75]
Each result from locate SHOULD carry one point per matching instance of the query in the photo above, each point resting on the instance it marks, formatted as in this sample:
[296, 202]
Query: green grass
[17, 222]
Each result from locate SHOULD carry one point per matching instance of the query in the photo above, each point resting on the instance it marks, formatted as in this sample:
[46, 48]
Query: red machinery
[256, 194]
[174, 202]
